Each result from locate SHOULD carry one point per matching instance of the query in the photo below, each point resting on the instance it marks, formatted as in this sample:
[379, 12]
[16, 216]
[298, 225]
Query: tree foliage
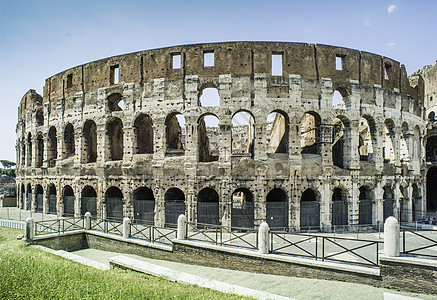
[7, 164]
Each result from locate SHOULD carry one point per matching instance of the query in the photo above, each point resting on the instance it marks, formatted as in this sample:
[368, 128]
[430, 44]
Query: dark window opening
[207, 208]
[144, 206]
[208, 138]
[208, 59]
[39, 117]
[174, 206]
[114, 74]
[114, 204]
[52, 199]
[69, 81]
[52, 152]
[114, 132]
[90, 141]
[175, 133]
[277, 210]
[387, 71]
[309, 211]
[68, 202]
[69, 147]
[115, 102]
[144, 134]
[89, 201]
[365, 207]
[242, 212]
[40, 150]
[39, 198]
[339, 208]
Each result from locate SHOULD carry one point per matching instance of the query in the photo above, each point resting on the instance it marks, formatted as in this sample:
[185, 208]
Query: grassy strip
[27, 273]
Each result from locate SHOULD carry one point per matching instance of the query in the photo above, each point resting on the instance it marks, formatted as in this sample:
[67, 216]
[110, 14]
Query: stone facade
[125, 136]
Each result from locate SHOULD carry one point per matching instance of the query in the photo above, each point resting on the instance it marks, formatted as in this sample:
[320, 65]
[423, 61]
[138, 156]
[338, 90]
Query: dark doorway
[114, 204]
[242, 213]
[339, 208]
[431, 189]
[174, 206]
[277, 210]
[52, 199]
[68, 201]
[309, 211]
[39, 198]
[89, 201]
[208, 207]
[144, 206]
[388, 203]
[365, 207]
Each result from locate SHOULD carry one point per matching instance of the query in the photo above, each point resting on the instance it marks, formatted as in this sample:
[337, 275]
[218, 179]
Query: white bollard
[263, 238]
[30, 231]
[126, 228]
[182, 229]
[391, 237]
[87, 220]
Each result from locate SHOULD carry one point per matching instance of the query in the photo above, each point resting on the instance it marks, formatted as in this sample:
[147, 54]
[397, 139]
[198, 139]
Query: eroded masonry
[298, 135]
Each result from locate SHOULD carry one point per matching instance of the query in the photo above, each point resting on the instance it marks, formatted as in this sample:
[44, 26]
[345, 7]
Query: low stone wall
[409, 273]
[70, 241]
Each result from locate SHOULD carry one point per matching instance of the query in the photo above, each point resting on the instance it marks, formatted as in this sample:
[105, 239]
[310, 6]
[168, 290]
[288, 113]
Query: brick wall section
[407, 274]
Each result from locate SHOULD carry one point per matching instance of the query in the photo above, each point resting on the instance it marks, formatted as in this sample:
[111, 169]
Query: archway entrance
[144, 206]
[68, 201]
[114, 204]
[89, 201]
[174, 206]
[309, 211]
[52, 199]
[277, 209]
[208, 207]
[431, 189]
[242, 213]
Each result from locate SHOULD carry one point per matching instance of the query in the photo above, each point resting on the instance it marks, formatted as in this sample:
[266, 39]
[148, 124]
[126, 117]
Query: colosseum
[302, 136]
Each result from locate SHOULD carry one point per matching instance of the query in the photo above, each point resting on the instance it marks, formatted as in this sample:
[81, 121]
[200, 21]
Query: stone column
[326, 203]
[103, 151]
[354, 202]
[391, 237]
[379, 202]
[128, 142]
[160, 143]
[260, 147]
[182, 229]
[263, 238]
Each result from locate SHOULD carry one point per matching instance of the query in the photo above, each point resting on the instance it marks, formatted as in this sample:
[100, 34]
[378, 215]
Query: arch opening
[39, 150]
[309, 211]
[89, 201]
[243, 133]
[52, 199]
[210, 98]
[90, 142]
[388, 198]
[366, 139]
[69, 147]
[116, 102]
[114, 204]
[277, 132]
[277, 210]
[207, 208]
[310, 133]
[143, 130]
[175, 132]
[365, 207]
[68, 201]
[114, 133]
[208, 134]
[52, 151]
[144, 206]
[39, 198]
[242, 212]
[339, 208]
[174, 206]
[29, 197]
[338, 143]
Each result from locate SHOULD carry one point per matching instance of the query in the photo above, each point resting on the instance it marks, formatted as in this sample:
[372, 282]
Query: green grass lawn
[28, 273]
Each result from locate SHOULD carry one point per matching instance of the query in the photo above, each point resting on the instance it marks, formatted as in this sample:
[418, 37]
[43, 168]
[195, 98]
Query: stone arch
[114, 134]
[52, 199]
[143, 131]
[39, 150]
[90, 141]
[175, 132]
[209, 97]
[52, 151]
[29, 150]
[115, 102]
[277, 132]
[208, 207]
[68, 198]
[39, 191]
[431, 116]
[388, 198]
[69, 145]
[114, 203]
[208, 136]
[309, 210]
[277, 210]
[88, 201]
[39, 117]
[340, 213]
[243, 132]
[337, 100]
[389, 138]
[144, 206]
[365, 209]
[242, 212]
[174, 206]
[340, 142]
[367, 138]
[29, 197]
[310, 133]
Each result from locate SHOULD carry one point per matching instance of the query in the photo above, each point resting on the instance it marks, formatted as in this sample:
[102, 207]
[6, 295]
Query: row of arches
[209, 211]
[312, 134]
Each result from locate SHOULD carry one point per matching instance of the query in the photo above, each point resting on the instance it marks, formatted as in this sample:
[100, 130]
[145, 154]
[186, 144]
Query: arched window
[242, 213]
[309, 211]
[243, 133]
[115, 102]
[175, 133]
[208, 138]
[52, 152]
[90, 141]
[277, 210]
[337, 100]
[340, 132]
[89, 201]
[277, 132]
[39, 117]
[68, 197]
[207, 207]
[144, 206]
[143, 134]
[69, 147]
[52, 199]
[310, 133]
[367, 138]
[114, 133]
[210, 97]
[339, 208]
[114, 203]
[174, 206]
[39, 149]
[431, 116]
[39, 198]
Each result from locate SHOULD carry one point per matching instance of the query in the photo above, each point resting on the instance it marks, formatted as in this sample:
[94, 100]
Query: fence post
[391, 237]
[30, 231]
[126, 228]
[263, 238]
[181, 234]
[87, 220]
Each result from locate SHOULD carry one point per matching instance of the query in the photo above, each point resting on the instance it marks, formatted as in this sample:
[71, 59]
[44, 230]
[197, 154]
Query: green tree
[7, 164]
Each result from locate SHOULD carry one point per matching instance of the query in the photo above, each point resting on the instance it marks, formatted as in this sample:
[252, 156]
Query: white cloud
[392, 8]
[367, 22]
[391, 44]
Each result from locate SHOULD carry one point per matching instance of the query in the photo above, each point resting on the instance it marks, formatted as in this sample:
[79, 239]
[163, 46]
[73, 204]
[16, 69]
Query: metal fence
[419, 242]
[152, 233]
[58, 225]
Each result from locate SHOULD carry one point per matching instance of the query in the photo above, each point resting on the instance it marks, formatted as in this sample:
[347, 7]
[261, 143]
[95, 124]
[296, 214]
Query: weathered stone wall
[93, 96]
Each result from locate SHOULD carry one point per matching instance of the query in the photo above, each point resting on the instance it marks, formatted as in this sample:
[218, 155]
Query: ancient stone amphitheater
[298, 135]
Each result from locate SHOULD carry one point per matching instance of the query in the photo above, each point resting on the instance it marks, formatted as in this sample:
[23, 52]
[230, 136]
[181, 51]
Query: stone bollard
[182, 227]
[391, 237]
[126, 228]
[263, 238]
[30, 231]
[87, 220]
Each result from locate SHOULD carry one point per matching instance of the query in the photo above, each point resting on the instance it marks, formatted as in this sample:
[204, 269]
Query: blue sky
[41, 38]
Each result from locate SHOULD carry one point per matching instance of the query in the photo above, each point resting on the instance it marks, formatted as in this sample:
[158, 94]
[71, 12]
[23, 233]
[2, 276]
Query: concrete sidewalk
[291, 287]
